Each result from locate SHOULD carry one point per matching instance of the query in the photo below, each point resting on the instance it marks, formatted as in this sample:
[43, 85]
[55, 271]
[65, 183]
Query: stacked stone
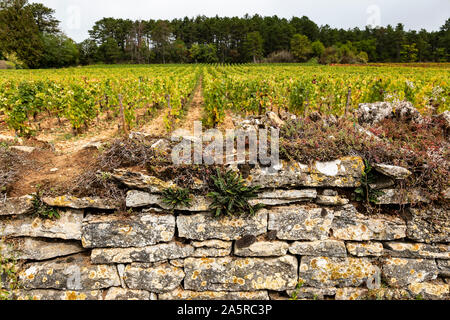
[309, 232]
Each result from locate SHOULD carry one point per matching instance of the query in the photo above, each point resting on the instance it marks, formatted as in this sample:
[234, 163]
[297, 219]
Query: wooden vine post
[122, 117]
[171, 117]
[349, 97]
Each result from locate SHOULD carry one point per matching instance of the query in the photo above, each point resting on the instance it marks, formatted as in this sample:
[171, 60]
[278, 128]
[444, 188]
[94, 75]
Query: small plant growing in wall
[175, 197]
[9, 280]
[294, 295]
[230, 195]
[365, 192]
[41, 209]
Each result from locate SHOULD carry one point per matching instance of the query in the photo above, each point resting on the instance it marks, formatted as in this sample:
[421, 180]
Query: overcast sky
[78, 16]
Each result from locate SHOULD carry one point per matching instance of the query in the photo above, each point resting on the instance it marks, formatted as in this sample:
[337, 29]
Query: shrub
[13, 60]
[184, 176]
[329, 56]
[126, 153]
[317, 48]
[41, 209]
[362, 57]
[93, 183]
[231, 196]
[301, 47]
[312, 62]
[283, 56]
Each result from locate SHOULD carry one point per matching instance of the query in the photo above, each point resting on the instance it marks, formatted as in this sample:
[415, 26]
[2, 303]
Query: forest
[30, 37]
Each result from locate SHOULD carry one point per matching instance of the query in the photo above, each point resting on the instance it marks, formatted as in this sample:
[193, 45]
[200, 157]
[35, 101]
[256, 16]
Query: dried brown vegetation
[421, 148]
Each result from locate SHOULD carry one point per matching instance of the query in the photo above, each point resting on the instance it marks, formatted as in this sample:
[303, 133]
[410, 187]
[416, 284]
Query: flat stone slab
[374, 294]
[372, 113]
[326, 248]
[444, 267]
[81, 203]
[347, 294]
[69, 273]
[94, 144]
[365, 249]
[382, 182]
[210, 252]
[114, 293]
[217, 244]
[335, 272]
[304, 194]
[273, 202]
[430, 290]
[348, 224]
[263, 249]
[137, 180]
[345, 172]
[153, 278]
[23, 149]
[310, 293]
[395, 196]
[429, 225]
[418, 250]
[128, 294]
[204, 226]
[57, 295]
[10, 139]
[180, 294]
[400, 272]
[395, 172]
[139, 230]
[241, 274]
[16, 206]
[211, 248]
[67, 227]
[38, 249]
[139, 199]
[300, 222]
[281, 197]
[159, 252]
[331, 200]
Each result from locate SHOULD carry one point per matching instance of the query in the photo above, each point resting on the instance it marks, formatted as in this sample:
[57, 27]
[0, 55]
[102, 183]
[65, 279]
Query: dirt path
[47, 171]
[195, 111]
[227, 122]
[156, 126]
[60, 157]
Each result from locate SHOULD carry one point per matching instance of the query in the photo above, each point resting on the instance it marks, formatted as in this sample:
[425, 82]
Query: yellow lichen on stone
[62, 201]
[195, 274]
[437, 290]
[72, 295]
[125, 230]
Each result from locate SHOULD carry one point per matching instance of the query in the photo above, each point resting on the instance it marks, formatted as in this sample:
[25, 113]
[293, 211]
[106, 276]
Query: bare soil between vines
[60, 156]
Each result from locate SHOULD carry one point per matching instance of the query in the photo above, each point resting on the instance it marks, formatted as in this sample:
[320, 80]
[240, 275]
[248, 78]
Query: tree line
[30, 35]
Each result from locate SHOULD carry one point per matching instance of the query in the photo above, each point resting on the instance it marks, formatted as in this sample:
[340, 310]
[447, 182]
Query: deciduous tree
[301, 47]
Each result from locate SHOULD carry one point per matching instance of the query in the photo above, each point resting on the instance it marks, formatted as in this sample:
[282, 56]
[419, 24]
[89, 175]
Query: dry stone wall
[310, 232]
